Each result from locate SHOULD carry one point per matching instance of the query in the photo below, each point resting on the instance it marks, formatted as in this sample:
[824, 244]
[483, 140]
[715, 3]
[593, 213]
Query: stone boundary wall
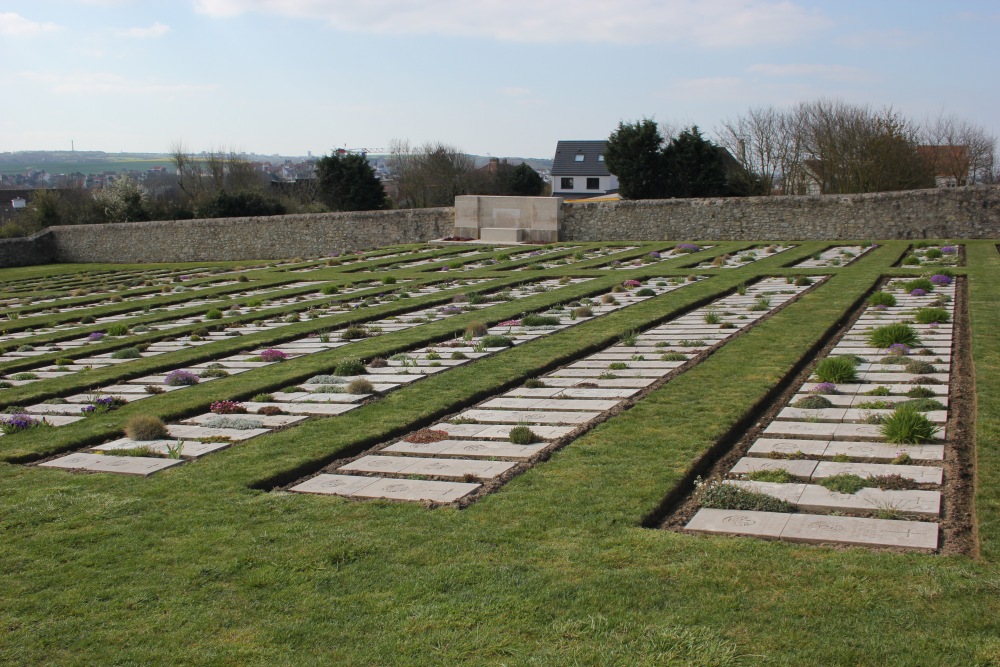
[222, 239]
[968, 213]
[28, 250]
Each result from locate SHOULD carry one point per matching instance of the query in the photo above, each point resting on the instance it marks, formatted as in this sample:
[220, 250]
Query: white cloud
[14, 25]
[720, 23]
[813, 71]
[109, 83]
[156, 30]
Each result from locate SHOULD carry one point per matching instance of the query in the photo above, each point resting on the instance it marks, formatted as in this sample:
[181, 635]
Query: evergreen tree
[694, 167]
[348, 183]
[525, 181]
[634, 155]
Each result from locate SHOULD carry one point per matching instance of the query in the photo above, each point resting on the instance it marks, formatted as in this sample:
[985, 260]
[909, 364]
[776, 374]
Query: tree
[694, 167]
[242, 204]
[525, 181]
[765, 142]
[348, 183]
[123, 200]
[634, 155]
[432, 175]
[973, 158]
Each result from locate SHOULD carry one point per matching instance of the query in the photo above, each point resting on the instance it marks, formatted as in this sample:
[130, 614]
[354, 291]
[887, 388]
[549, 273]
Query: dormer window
[600, 158]
[579, 157]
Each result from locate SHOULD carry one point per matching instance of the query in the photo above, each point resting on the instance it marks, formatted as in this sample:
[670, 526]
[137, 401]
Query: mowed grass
[198, 566]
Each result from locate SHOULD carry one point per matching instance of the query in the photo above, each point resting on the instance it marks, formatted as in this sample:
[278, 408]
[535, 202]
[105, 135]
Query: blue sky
[499, 77]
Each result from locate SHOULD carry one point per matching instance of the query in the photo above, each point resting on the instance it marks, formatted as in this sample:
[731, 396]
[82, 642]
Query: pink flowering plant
[271, 355]
[227, 408]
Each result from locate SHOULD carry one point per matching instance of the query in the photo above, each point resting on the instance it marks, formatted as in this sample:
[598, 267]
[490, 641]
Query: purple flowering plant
[824, 388]
[918, 292]
[20, 422]
[940, 279]
[180, 378]
[96, 336]
[899, 349]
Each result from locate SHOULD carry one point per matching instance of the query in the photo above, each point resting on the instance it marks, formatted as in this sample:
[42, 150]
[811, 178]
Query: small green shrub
[353, 333]
[146, 427]
[812, 402]
[918, 367]
[628, 338]
[923, 404]
[673, 356]
[497, 341]
[360, 386]
[522, 435]
[349, 367]
[844, 483]
[645, 291]
[892, 334]
[920, 392]
[126, 353]
[931, 315]
[533, 383]
[879, 391]
[894, 482]
[583, 311]
[214, 314]
[907, 426]
[776, 475]
[262, 398]
[881, 298]
[920, 283]
[118, 330]
[719, 495]
[475, 329]
[839, 370]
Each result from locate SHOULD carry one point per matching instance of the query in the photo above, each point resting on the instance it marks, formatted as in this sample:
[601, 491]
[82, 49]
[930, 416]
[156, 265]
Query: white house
[578, 170]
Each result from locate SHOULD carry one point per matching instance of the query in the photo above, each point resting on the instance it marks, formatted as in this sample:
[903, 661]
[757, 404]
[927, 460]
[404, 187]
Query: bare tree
[765, 142]
[967, 152]
[432, 175]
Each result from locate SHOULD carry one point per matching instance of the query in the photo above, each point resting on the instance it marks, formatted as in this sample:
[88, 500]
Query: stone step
[807, 469]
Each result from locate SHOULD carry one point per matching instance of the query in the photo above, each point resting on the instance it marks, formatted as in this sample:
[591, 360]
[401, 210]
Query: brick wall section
[302, 235]
[28, 250]
[970, 213]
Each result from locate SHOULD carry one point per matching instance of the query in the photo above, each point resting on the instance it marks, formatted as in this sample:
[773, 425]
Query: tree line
[223, 183]
[817, 147]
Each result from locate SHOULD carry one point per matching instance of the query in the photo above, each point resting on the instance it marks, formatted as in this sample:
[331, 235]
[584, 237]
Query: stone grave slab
[878, 450]
[806, 430]
[549, 404]
[800, 468]
[416, 490]
[499, 431]
[525, 417]
[125, 465]
[319, 409]
[48, 409]
[325, 397]
[767, 446]
[738, 522]
[788, 492]
[269, 421]
[184, 431]
[192, 449]
[919, 474]
[831, 415]
[816, 498]
[861, 531]
[412, 465]
[622, 383]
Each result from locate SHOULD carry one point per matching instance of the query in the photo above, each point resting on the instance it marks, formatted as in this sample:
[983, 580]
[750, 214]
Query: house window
[593, 183]
[565, 183]
[579, 157]
[600, 158]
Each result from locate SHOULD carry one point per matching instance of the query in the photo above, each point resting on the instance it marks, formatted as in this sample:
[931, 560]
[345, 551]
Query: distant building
[578, 170]
[18, 203]
[950, 164]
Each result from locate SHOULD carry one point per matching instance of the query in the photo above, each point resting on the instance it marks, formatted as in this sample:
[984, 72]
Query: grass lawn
[205, 564]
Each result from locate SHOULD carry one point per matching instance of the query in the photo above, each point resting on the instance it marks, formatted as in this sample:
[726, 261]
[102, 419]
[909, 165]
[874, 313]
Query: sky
[491, 77]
